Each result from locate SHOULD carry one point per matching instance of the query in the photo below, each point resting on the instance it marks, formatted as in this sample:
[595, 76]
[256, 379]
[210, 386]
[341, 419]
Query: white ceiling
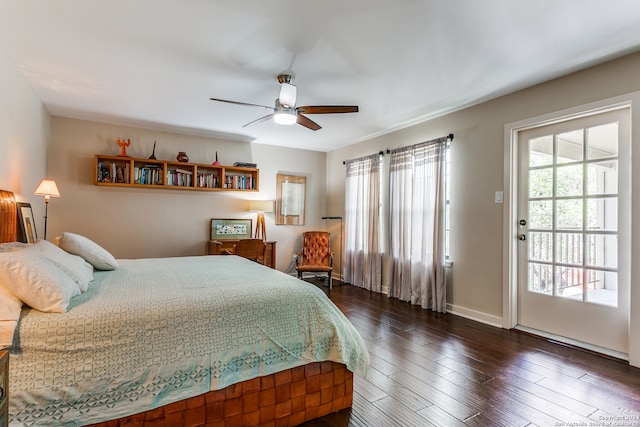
[156, 63]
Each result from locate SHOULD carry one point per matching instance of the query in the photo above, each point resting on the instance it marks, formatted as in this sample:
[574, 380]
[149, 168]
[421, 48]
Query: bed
[205, 340]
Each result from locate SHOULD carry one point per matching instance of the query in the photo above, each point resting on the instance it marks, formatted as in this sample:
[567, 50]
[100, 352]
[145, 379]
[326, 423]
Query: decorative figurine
[123, 145]
[182, 157]
[153, 153]
[216, 163]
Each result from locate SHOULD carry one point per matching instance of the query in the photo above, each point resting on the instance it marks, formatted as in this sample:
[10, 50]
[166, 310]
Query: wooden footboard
[286, 398]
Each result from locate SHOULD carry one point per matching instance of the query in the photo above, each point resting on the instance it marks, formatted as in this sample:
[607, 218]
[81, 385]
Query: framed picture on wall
[225, 229]
[290, 199]
[26, 230]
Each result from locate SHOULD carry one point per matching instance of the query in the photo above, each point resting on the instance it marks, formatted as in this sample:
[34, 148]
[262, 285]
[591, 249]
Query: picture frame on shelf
[26, 229]
[225, 229]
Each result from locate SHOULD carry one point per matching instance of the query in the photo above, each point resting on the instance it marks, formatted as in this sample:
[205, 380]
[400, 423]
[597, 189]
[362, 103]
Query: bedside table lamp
[48, 189]
[261, 206]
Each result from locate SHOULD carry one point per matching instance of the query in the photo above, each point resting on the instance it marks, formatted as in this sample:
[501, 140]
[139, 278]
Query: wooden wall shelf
[119, 171]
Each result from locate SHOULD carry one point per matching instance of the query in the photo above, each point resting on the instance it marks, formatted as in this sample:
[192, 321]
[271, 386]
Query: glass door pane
[573, 215]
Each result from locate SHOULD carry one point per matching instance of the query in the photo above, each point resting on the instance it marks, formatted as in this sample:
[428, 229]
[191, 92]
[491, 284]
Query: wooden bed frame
[286, 398]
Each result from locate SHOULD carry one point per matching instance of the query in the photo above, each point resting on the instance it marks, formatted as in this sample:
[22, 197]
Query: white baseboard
[575, 343]
[497, 322]
[478, 316]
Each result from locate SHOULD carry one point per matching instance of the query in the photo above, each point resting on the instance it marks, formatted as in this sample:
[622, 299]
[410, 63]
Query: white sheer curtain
[416, 224]
[362, 255]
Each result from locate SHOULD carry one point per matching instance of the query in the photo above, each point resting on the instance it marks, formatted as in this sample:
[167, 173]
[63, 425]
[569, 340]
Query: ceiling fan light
[287, 96]
[285, 118]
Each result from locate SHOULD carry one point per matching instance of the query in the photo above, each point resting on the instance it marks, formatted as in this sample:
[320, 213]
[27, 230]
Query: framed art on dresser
[222, 229]
[26, 230]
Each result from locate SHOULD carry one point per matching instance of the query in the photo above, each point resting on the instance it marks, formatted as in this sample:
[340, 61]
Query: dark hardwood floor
[445, 370]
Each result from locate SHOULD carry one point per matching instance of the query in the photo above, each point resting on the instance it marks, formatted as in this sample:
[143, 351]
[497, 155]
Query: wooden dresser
[4, 388]
[226, 247]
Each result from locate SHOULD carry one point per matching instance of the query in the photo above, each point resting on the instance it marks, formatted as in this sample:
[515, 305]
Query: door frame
[510, 208]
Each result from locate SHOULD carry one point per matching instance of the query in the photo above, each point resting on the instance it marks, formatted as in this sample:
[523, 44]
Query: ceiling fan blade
[308, 123]
[328, 109]
[260, 120]
[241, 103]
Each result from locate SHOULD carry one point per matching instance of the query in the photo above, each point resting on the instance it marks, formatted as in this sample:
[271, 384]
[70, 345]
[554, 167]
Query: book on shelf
[147, 176]
[179, 178]
[245, 165]
[207, 180]
[183, 171]
[113, 172]
[240, 182]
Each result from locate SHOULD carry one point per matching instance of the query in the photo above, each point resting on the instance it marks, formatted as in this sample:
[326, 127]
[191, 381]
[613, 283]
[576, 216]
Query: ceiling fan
[285, 111]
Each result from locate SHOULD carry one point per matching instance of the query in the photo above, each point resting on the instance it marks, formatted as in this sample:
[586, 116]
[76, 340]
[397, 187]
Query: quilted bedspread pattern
[156, 331]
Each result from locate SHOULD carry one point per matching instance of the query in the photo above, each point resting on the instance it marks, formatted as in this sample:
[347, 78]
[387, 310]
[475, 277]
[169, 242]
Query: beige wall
[477, 163]
[140, 223]
[146, 223]
[24, 137]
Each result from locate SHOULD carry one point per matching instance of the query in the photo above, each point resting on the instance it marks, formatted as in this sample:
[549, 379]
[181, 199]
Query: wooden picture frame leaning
[26, 230]
[225, 229]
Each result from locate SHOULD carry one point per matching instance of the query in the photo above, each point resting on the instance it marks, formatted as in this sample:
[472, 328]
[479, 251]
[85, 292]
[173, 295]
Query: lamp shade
[261, 205]
[285, 117]
[47, 188]
[288, 95]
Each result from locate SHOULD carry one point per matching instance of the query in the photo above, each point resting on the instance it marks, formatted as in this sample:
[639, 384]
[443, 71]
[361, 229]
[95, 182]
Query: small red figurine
[124, 146]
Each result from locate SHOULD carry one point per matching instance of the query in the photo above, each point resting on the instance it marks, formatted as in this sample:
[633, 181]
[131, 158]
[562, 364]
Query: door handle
[522, 223]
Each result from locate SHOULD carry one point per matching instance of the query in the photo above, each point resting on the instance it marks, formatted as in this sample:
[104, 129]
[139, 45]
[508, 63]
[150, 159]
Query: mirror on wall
[290, 199]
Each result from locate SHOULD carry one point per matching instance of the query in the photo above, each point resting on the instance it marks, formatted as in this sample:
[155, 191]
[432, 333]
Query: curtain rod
[449, 137]
[380, 153]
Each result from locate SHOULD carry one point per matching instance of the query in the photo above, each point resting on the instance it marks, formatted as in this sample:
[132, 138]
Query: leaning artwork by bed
[201, 340]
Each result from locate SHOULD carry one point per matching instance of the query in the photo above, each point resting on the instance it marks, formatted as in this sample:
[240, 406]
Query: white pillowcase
[95, 254]
[10, 305]
[13, 246]
[75, 266]
[10, 308]
[36, 281]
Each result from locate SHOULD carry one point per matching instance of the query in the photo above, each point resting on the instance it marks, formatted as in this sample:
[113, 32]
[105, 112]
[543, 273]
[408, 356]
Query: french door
[573, 229]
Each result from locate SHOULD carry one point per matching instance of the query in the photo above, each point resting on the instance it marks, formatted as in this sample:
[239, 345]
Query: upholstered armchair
[316, 256]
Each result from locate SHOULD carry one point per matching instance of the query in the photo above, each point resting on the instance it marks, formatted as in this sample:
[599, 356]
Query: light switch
[499, 197]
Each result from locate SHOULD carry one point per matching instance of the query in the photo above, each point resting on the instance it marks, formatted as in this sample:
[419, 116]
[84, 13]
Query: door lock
[522, 237]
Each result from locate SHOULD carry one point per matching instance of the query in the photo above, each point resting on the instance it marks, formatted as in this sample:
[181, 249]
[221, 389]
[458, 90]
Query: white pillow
[95, 254]
[10, 305]
[7, 331]
[10, 308]
[75, 266]
[37, 281]
[13, 246]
